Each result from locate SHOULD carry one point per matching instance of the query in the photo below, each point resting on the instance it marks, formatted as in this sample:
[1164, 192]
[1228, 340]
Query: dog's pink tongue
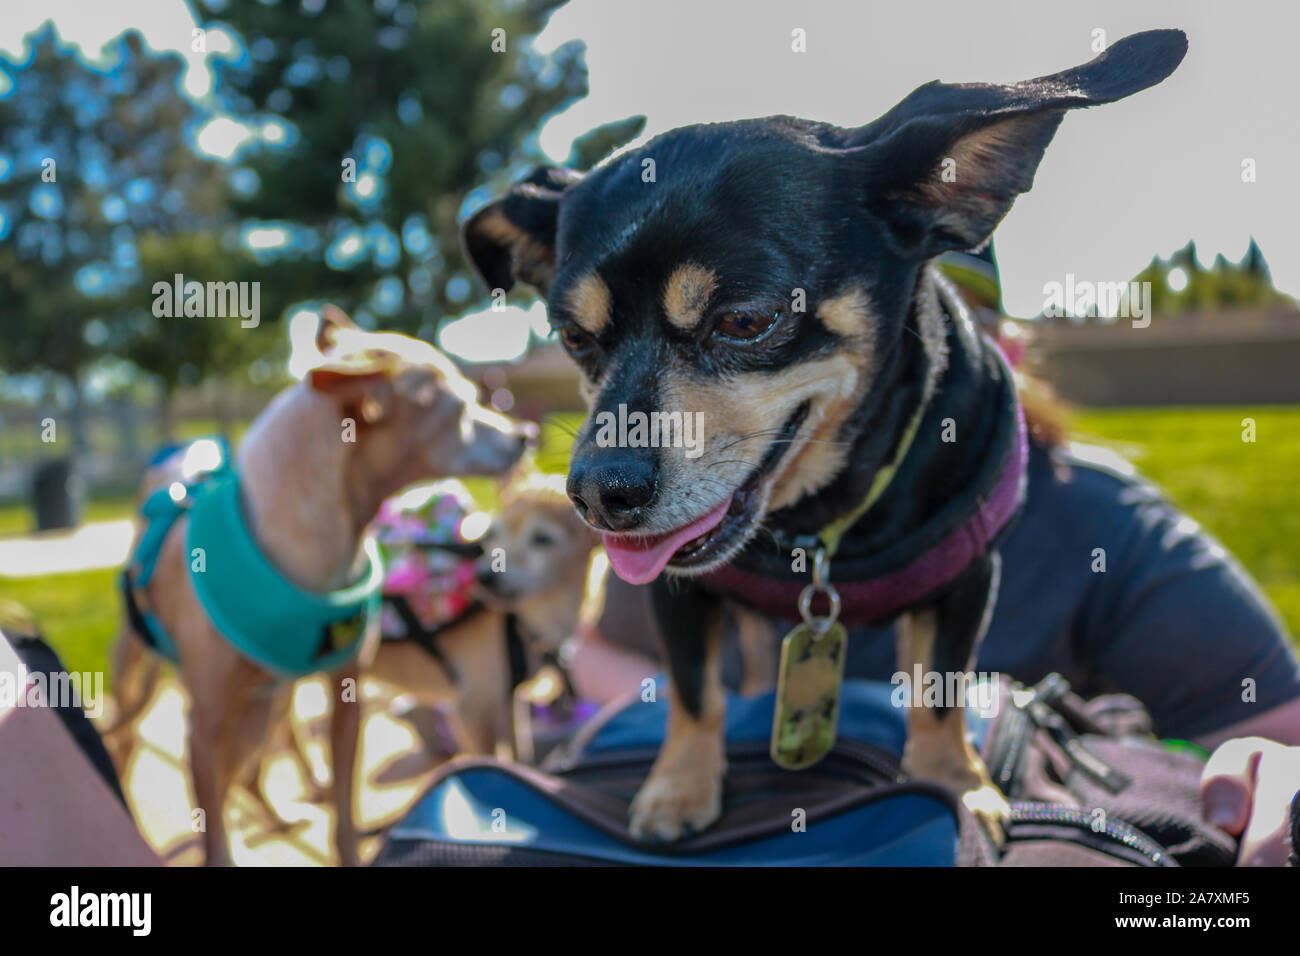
[639, 560]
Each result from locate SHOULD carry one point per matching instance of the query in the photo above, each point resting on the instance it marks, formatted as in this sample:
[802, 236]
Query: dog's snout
[496, 444]
[526, 438]
[614, 495]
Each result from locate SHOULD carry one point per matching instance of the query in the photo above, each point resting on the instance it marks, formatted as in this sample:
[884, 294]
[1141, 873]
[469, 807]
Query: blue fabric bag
[851, 809]
[1089, 785]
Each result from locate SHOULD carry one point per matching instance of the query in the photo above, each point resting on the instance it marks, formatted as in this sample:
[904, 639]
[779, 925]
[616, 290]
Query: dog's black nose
[614, 493]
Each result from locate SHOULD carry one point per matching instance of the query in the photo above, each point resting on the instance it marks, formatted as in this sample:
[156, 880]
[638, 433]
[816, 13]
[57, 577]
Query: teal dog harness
[268, 618]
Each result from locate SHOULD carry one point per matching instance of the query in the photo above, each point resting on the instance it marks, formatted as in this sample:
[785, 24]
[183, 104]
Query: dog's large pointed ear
[334, 323]
[512, 239]
[361, 380]
[944, 166]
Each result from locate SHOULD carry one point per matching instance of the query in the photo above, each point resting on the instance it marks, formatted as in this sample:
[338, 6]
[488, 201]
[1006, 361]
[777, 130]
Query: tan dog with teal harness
[251, 571]
[289, 631]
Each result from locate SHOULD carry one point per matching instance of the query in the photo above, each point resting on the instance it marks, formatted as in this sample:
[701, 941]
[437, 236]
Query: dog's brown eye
[575, 340]
[746, 326]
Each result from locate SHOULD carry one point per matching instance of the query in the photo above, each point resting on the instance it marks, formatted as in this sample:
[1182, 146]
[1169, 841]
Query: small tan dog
[535, 566]
[309, 488]
[537, 560]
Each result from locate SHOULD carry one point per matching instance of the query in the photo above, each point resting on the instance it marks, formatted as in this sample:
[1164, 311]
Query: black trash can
[56, 495]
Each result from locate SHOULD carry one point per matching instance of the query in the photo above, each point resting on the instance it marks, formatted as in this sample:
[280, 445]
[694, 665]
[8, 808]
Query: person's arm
[1281, 724]
[55, 809]
[602, 671]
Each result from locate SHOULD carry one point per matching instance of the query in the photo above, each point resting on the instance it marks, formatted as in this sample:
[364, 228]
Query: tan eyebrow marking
[686, 294]
[847, 314]
[591, 304]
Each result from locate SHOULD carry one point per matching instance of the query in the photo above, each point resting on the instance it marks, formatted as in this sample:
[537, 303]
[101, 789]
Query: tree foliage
[1180, 284]
[93, 163]
[371, 123]
[393, 112]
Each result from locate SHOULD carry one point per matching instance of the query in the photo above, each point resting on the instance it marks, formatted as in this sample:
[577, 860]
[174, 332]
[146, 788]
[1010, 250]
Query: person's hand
[1247, 789]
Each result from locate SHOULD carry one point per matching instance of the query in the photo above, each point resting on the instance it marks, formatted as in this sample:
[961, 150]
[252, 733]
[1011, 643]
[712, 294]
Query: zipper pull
[1049, 720]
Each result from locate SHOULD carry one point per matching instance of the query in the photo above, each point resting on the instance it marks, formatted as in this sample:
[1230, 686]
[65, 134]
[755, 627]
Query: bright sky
[89, 24]
[1119, 183]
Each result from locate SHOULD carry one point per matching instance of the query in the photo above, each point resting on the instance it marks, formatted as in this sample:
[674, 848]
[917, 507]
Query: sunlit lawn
[1244, 493]
[16, 516]
[77, 611]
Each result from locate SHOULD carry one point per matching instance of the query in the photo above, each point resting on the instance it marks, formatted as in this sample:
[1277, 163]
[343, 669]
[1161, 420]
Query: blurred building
[1226, 357]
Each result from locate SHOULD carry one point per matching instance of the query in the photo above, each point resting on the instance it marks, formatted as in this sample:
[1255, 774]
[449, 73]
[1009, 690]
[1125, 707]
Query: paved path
[99, 544]
[393, 768]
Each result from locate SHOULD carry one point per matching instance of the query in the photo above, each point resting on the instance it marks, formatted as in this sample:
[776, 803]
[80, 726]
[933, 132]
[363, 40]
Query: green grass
[78, 613]
[1243, 493]
[118, 500]
[16, 516]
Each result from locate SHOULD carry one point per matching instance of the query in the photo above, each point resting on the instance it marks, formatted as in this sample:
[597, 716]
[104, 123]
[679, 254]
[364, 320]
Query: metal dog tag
[808, 695]
[809, 679]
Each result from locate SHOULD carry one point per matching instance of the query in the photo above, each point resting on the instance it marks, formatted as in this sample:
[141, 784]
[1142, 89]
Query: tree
[91, 161]
[386, 115]
[1244, 284]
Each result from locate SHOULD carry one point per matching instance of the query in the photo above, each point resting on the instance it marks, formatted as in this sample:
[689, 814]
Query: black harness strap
[515, 652]
[427, 638]
[133, 612]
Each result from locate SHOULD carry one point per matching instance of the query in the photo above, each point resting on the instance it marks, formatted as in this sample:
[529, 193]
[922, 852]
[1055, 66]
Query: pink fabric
[1013, 349]
[413, 534]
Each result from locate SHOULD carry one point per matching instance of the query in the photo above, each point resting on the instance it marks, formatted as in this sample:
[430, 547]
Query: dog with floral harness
[474, 611]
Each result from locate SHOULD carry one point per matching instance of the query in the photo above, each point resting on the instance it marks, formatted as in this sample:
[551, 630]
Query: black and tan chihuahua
[774, 275]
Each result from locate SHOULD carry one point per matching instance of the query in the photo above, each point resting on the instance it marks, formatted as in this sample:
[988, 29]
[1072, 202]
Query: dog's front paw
[960, 770]
[671, 801]
[991, 810]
